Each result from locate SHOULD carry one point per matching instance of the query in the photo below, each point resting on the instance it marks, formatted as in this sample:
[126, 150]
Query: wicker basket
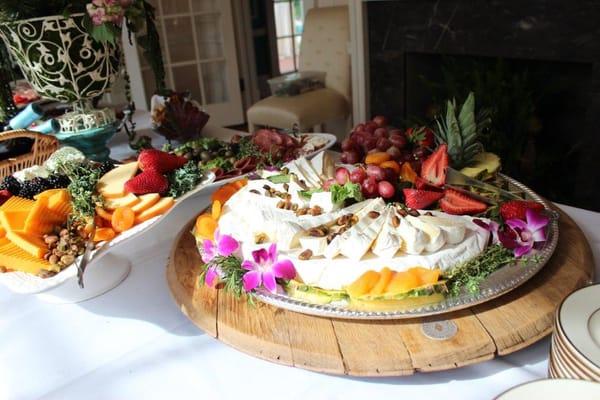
[43, 146]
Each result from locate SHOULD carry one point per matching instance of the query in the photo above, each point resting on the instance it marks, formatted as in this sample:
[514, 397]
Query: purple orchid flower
[265, 268]
[527, 233]
[224, 245]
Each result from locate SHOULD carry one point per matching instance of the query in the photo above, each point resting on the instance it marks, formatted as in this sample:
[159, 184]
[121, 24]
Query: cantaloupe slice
[13, 220]
[146, 201]
[157, 209]
[17, 203]
[385, 276]
[402, 282]
[112, 184]
[363, 284]
[128, 200]
[32, 244]
[15, 258]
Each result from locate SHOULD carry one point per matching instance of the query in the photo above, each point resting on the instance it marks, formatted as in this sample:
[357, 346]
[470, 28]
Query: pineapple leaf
[466, 120]
[453, 137]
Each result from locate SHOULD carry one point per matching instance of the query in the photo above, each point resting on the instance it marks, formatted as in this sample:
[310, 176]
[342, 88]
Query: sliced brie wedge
[388, 241]
[454, 230]
[357, 240]
[434, 233]
[413, 239]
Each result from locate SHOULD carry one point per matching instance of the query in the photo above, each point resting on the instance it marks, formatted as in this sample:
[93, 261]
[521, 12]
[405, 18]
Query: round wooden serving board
[383, 348]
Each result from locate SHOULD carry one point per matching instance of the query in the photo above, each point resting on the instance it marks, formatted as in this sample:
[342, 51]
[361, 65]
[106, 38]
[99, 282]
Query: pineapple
[460, 132]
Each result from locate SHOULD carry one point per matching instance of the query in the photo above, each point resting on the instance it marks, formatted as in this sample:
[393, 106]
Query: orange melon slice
[402, 282]
[157, 209]
[33, 245]
[385, 276]
[426, 276]
[363, 284]
[146, 201]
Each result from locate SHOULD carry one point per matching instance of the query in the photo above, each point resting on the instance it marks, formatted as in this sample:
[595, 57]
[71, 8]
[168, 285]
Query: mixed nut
[64, 246]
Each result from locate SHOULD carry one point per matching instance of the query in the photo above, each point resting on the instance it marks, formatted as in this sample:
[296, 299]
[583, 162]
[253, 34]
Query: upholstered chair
[324, 48]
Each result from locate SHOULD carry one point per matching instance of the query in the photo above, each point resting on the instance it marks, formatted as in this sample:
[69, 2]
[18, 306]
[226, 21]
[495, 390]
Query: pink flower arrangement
[112, 11]
[224, 246]
[264, 268]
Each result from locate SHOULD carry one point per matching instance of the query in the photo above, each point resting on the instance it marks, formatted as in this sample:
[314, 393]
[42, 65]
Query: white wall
[324, 3]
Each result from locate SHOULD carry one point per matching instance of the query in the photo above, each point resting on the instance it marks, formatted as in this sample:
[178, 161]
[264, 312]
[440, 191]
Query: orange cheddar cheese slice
[33, 245]
[17, 203]
[15, 258]
[13, 220]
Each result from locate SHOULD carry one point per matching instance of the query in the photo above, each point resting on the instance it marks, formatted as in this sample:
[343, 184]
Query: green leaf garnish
[349, 191]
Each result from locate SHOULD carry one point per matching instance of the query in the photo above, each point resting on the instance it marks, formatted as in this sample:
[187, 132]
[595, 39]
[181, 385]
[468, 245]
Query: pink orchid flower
[265, 268]
[224, 245]
[527, 233]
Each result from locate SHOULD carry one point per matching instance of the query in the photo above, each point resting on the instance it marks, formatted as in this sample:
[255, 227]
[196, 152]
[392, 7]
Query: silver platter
[498, 283]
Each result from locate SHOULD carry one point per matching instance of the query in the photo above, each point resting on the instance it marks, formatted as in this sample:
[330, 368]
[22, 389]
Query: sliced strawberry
[149, 181]
[434, 167]
[160, 161]
[457, 203]
[517, 208]
[422, 184]
[420, 199]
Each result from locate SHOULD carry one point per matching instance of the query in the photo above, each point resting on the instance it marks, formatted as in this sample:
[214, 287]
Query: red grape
[419, 152]
[371, 126]
[327, 184]
[369, 187]
[359, 128]
[390, 175]
[352, 157]
[380, 120]
[359, 139]
[399, 141]
[394, 152]
[370, 143]
[375, 172]
[342, 175]
[396, 131]
[380, 133]
[358, 175]
[383, 144]
[386, 189]
[348, 144]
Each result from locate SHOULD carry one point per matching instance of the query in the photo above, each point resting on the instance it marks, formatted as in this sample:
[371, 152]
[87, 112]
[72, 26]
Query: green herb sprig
[232, 276]
[184, 179]
[469, 274]
[84, 178]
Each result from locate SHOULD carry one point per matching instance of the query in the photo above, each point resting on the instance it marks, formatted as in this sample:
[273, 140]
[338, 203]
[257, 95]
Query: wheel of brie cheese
[337, 250]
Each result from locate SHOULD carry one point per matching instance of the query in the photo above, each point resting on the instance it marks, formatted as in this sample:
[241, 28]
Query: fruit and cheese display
[378, 235]
[48, 213]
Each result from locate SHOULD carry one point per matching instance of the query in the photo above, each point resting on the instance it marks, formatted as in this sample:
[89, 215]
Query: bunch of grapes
[412, 145]
[373, 180]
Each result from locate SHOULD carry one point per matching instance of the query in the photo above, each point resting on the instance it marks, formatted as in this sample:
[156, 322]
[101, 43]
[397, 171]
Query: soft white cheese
[316, 245]
[388, 241]
[454, 231]
[323, 200]
[434, 233]
[357, 240]
[414, 239]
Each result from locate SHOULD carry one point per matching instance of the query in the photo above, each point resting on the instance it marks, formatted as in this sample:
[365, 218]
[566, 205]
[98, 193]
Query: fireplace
[536, 63]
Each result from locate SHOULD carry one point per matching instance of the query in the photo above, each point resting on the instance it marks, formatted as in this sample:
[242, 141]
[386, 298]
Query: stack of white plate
[575, 351]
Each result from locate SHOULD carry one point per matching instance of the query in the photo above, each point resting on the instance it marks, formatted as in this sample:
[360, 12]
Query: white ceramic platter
[553, 389]
[579, 319]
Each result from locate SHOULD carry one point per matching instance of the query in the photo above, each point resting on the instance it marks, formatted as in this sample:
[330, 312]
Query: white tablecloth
[134, 343]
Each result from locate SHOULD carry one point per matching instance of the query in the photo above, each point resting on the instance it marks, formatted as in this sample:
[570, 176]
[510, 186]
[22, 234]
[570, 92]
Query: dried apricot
[104, 234]
[377, 157]
[206, 226]
[216, 209]
[123, 218]
[391, 164]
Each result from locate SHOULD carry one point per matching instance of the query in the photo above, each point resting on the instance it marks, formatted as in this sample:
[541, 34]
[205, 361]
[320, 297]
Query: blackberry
[58, 181]
[34, 186]
[11, 184]
[106, 166]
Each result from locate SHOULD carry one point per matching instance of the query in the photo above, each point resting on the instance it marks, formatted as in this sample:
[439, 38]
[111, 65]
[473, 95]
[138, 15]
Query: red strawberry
[4, 195]
[160, 161]
[434, 167]
[422, 184]
[419, 199]
[421, 136]
[516, 208]
[149, 181]
[457, 203]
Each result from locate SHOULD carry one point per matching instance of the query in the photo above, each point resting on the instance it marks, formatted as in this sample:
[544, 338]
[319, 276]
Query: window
[289, 23]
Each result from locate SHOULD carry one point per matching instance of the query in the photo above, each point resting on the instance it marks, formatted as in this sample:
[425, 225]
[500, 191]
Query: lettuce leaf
[348, 191]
